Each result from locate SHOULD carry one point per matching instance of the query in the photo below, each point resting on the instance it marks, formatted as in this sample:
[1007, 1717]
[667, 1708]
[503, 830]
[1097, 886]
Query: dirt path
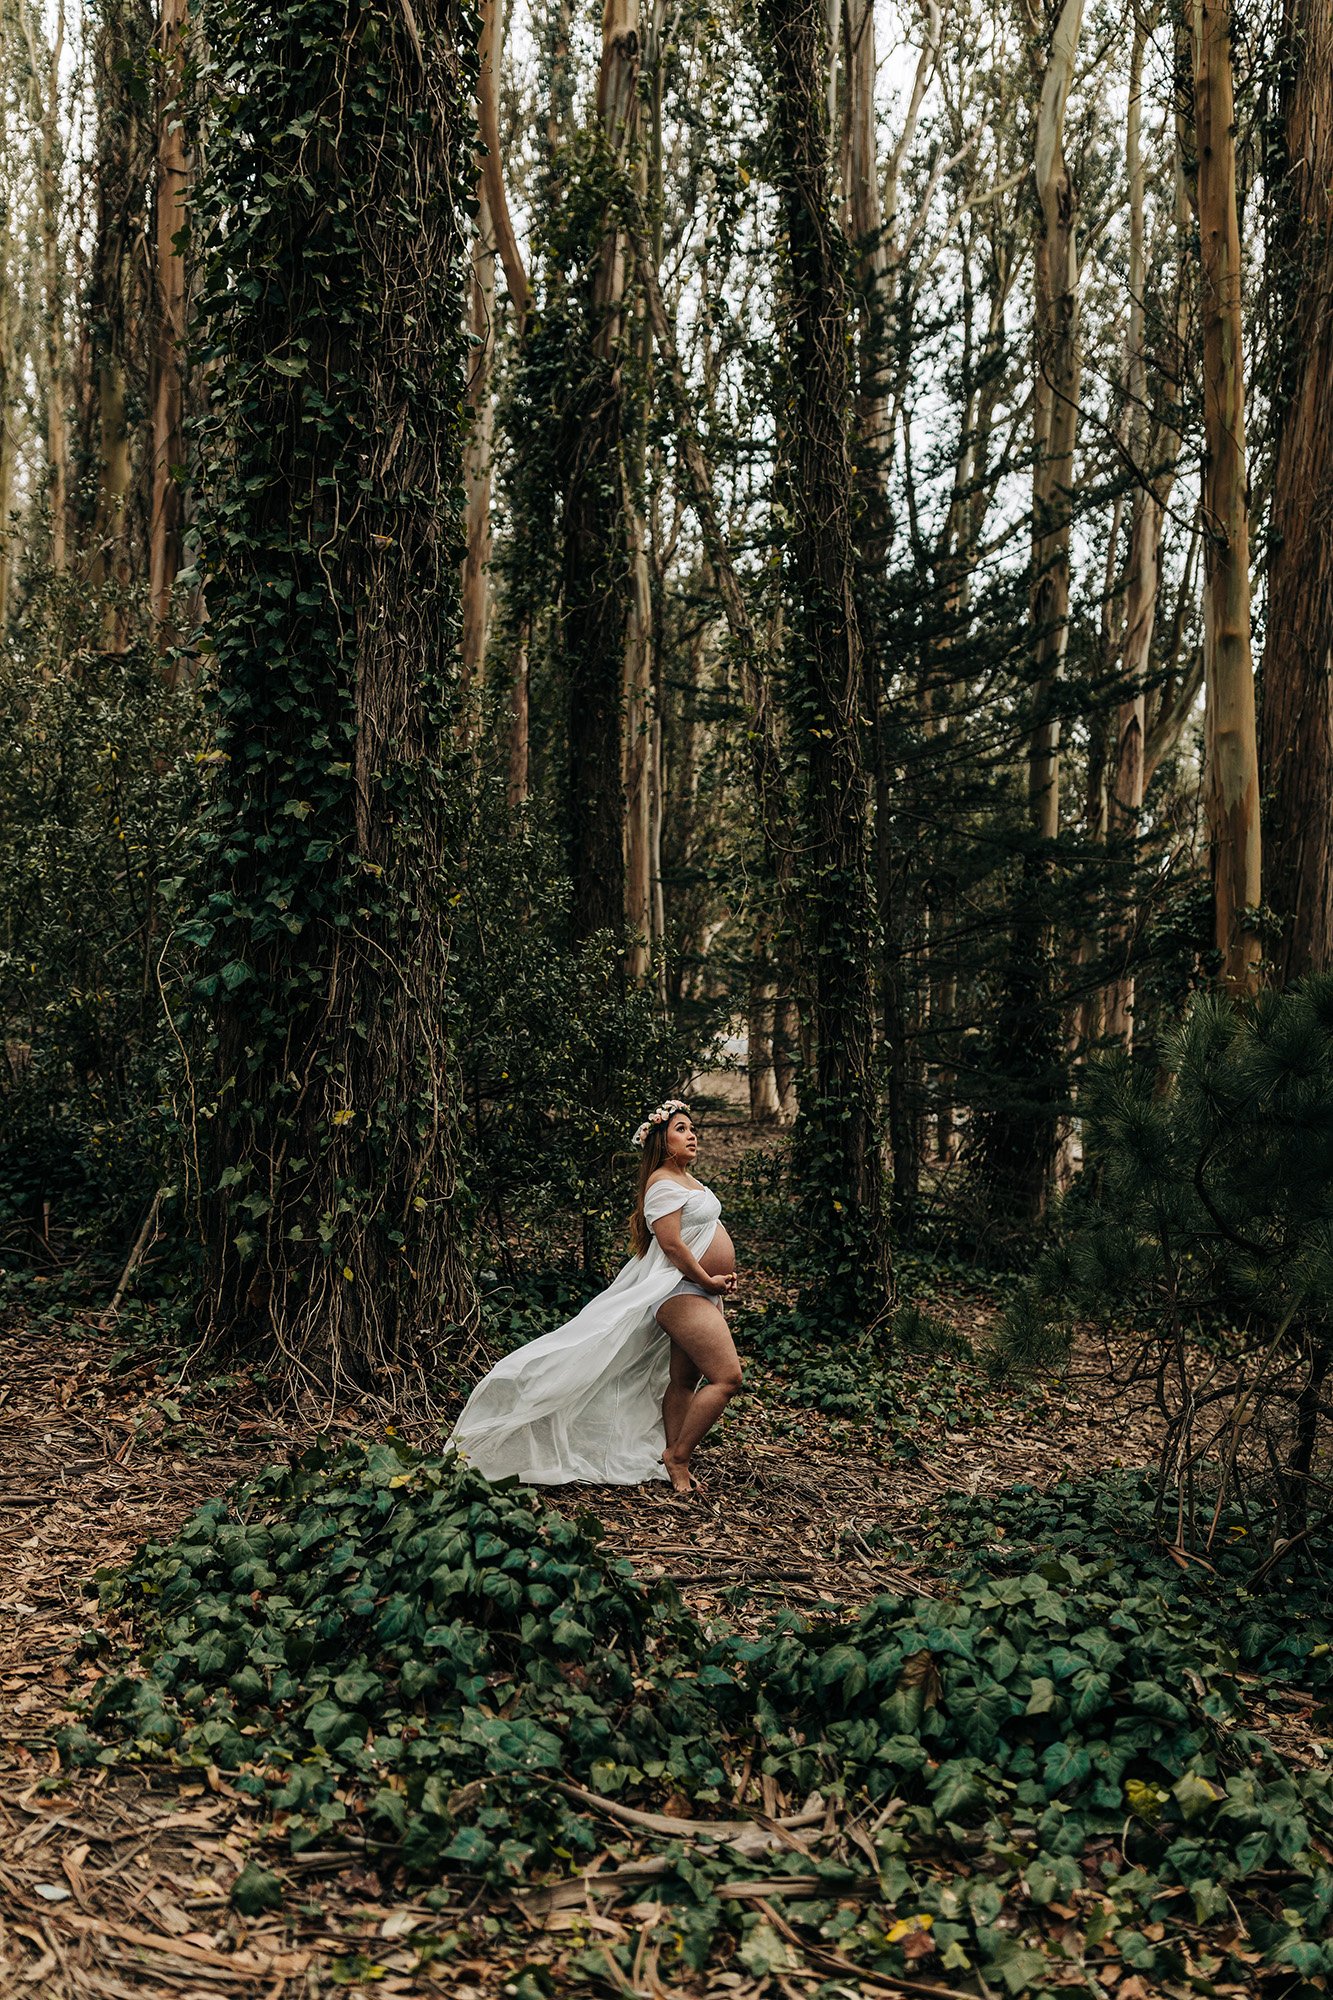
[118, 1884]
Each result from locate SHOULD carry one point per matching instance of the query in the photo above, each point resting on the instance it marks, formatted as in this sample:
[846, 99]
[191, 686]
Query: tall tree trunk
[760, 1016]
[638, 764]
[839, 1156]
[1020, 1134]
[490, 50]
[477, 458]
[1298, 649]
[872, 226]
[120, 306]
[11, 363]
[6, 476]
[494, 217]
[601, 599]
[1124, 798]
[642, 734]
[114, 499]
[174, 171]
[870, 249]
[1091, 1014]
[786, 1057]
[1153, 445]
[1056, 400]
[334, 1221]
[1233, 760]
[44, 75]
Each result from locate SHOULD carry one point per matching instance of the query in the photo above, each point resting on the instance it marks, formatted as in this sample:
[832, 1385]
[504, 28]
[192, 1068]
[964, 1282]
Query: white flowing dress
[584, 1402]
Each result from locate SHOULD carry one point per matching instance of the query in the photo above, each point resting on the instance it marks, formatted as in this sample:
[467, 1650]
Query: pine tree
[1207, 1233]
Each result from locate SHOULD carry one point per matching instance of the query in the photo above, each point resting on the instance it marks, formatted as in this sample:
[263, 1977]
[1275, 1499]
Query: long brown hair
[653, 1154]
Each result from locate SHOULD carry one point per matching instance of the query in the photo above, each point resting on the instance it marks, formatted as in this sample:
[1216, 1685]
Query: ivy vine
[331, 231]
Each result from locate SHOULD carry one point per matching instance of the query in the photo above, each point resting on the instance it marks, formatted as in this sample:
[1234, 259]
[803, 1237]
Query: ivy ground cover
[1009, 1787]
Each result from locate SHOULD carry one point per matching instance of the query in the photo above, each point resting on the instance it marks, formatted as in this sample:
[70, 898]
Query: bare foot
[678, 1471]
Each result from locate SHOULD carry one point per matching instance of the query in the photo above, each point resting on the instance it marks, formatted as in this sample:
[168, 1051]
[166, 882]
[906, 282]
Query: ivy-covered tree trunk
[477, 479]
[601, 589]
[333, 233]
[1298, 649]
[1020, 1132]
[838, 1155]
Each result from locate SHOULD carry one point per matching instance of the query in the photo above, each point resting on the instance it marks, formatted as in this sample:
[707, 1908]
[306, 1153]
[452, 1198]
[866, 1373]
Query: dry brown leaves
[118, 1887]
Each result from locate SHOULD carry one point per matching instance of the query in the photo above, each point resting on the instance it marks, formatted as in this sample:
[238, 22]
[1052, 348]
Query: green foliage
[559, 1055]
[513, 1313]
[1029, 1336]
[918, 1370]
[331, 242]
[1206, 1225]
[96, 786]
[255, 1890]
[575, 424]
[1281, 1629]
[915, 1330]
[388, 1647]
[400, 1627]
[1213, 1195]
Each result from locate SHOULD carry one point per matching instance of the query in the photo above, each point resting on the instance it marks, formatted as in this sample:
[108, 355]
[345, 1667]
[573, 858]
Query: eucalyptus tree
[1020, 1136]
[1233, 759]
[120, 310]
[1153, 436]
[170, 220]
[12, 289]
[604, 613]
[1298, 645]
[41, 108]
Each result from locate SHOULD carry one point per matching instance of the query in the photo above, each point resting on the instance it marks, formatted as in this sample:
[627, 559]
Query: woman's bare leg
[680, 1393]
[699, 1328]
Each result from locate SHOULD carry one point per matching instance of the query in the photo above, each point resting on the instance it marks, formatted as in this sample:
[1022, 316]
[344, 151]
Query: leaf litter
[802, 1513]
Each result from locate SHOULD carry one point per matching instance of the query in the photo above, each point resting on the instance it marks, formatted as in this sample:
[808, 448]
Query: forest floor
[115, 1883]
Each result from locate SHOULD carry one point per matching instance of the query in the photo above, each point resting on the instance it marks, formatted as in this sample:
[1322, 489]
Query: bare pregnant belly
[719, 1259]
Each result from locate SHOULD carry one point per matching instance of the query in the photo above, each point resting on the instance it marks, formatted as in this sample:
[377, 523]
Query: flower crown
[660, 1117]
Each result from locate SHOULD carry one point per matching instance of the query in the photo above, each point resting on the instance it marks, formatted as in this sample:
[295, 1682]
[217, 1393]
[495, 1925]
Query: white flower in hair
[660, 1117]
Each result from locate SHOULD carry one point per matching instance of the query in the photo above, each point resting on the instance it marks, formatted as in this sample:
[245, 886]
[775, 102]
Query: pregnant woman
[624, 1391]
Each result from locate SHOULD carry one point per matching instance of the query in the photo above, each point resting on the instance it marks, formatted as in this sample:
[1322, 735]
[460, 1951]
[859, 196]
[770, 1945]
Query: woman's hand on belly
[719, 1259]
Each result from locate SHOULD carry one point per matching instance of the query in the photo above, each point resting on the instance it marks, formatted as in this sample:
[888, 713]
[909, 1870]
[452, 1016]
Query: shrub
[1207, 1231]
[96, 784]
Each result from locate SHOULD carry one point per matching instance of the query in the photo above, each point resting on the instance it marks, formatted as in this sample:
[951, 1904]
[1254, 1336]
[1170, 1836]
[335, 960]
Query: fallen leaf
[400, 1923]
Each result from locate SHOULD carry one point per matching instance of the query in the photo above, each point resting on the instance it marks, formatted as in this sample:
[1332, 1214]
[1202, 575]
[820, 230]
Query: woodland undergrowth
[1050, 1767]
